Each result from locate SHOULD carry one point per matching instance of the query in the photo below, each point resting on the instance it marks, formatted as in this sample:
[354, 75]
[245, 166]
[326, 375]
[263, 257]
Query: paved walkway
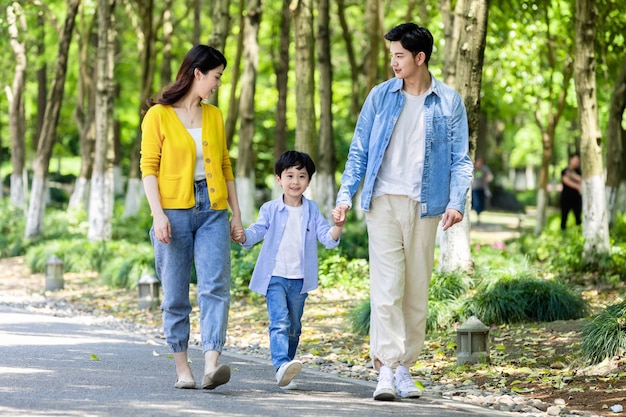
[59, 366]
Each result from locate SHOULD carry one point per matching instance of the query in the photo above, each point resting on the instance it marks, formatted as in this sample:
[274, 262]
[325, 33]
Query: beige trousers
[401, 250]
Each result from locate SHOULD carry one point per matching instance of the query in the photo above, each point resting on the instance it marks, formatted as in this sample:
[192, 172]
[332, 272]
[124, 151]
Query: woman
[189, 184]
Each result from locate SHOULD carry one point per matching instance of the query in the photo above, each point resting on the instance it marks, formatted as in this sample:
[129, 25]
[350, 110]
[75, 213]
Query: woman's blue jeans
[285, 306]
[200, 237]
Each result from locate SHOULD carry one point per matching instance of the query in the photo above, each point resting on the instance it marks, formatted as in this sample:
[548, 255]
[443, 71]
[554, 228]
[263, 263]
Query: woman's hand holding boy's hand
[237, 234]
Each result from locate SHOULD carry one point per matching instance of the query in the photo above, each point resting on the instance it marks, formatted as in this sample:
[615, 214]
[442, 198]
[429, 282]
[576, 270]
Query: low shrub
[12, 225]
[242, 263]
[338, 270]
[443, 304]
[604, 336]
[522, 297]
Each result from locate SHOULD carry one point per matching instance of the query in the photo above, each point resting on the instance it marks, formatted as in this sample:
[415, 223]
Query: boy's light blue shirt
[270, 226]
[448, 168]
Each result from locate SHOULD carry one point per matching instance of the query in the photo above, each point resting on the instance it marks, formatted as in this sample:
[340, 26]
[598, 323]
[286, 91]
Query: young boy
[287, 267]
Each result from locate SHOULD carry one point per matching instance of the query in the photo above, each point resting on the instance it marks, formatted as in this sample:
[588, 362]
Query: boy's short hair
[413, 38]
[294, 159]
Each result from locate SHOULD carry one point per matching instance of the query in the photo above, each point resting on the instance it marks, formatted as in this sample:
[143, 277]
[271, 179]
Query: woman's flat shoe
[185, 384]
[217, 377]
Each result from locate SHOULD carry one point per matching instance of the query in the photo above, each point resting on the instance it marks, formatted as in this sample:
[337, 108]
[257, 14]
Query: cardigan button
[212, 190]
[208, 160]
[209, 175]
[205, 143]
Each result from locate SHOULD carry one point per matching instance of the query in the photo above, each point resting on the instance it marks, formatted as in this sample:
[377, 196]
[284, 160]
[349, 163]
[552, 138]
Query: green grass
[604, 336]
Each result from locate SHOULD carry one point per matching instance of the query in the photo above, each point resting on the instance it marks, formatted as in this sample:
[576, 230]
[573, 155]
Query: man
[571, 198]
[410, 146]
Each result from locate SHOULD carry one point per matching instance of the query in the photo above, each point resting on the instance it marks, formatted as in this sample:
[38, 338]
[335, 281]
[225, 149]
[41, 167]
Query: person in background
[480, 186]
[287, 266]
[410, 149]
[189, 184]
[571, 197]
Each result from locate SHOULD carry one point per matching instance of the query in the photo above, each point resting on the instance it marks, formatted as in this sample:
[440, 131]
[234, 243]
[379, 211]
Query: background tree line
[540, 79]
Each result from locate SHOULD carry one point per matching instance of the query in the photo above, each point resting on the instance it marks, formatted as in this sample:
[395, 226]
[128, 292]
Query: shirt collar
[397, 84]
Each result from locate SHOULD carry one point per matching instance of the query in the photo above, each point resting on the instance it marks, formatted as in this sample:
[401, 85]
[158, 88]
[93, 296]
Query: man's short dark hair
[413, 38]
[294, 159]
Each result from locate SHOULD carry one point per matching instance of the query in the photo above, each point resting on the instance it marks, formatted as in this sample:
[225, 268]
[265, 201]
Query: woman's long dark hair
[203, 57]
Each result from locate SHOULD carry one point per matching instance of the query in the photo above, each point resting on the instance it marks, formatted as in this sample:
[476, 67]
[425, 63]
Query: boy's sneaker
[287, 372]
[293, 385]
[385, 390]
[405, 387]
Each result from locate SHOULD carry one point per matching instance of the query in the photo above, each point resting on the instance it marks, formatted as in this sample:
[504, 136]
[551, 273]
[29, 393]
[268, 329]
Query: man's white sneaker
[385, 390]
[405, 387]
[287, 372]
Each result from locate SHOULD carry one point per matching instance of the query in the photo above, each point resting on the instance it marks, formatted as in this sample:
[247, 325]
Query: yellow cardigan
[169, 152]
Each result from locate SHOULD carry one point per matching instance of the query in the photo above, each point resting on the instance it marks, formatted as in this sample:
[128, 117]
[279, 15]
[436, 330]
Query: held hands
[339, 214]
[237, 234]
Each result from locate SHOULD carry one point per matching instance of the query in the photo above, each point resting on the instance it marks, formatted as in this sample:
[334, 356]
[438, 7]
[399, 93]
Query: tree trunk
[42, 84]
[168, 33]
[324, 183]
[451, 33]
[17, 119]
[85, 113]
[281, 68]
[547, 141]
[471, 16]
[595, 219]
[144, 28]
[555, 106]
[306, 132]
[372, 9]
[615, 166]
[220, 17]
[233, 104]
[355, 97]
[34, 219]
[245, 161]
[102, 196]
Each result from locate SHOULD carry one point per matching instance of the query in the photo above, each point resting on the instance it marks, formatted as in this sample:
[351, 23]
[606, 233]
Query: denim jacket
[448, 168]
[270, 226]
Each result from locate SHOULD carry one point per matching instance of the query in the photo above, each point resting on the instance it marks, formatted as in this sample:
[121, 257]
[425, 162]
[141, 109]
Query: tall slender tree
[235, 69]
[306, 131]
[85, 112]
[102, 193]
[595, 218]
[36, 207]
[17, 119]
[325, 184]
[245, 165]
[469, 36]
[616, 155]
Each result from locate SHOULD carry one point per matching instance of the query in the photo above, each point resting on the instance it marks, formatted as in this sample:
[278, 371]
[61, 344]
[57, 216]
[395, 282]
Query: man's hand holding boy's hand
[339, 214]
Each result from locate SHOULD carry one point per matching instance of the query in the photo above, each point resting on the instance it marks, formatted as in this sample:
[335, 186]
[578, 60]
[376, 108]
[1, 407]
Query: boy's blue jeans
[200, 236]
[285, 306]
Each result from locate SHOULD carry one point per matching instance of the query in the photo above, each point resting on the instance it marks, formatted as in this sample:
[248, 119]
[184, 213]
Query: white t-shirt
[288, 259]
[196, 134]
[403, 162]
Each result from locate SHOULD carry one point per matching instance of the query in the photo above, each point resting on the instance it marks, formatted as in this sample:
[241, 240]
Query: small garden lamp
[148, 287]
[472, 342]
[54, 273]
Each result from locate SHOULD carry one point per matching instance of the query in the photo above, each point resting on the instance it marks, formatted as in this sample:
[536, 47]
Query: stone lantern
[148, 287]
[472, 342]
[54, 274]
